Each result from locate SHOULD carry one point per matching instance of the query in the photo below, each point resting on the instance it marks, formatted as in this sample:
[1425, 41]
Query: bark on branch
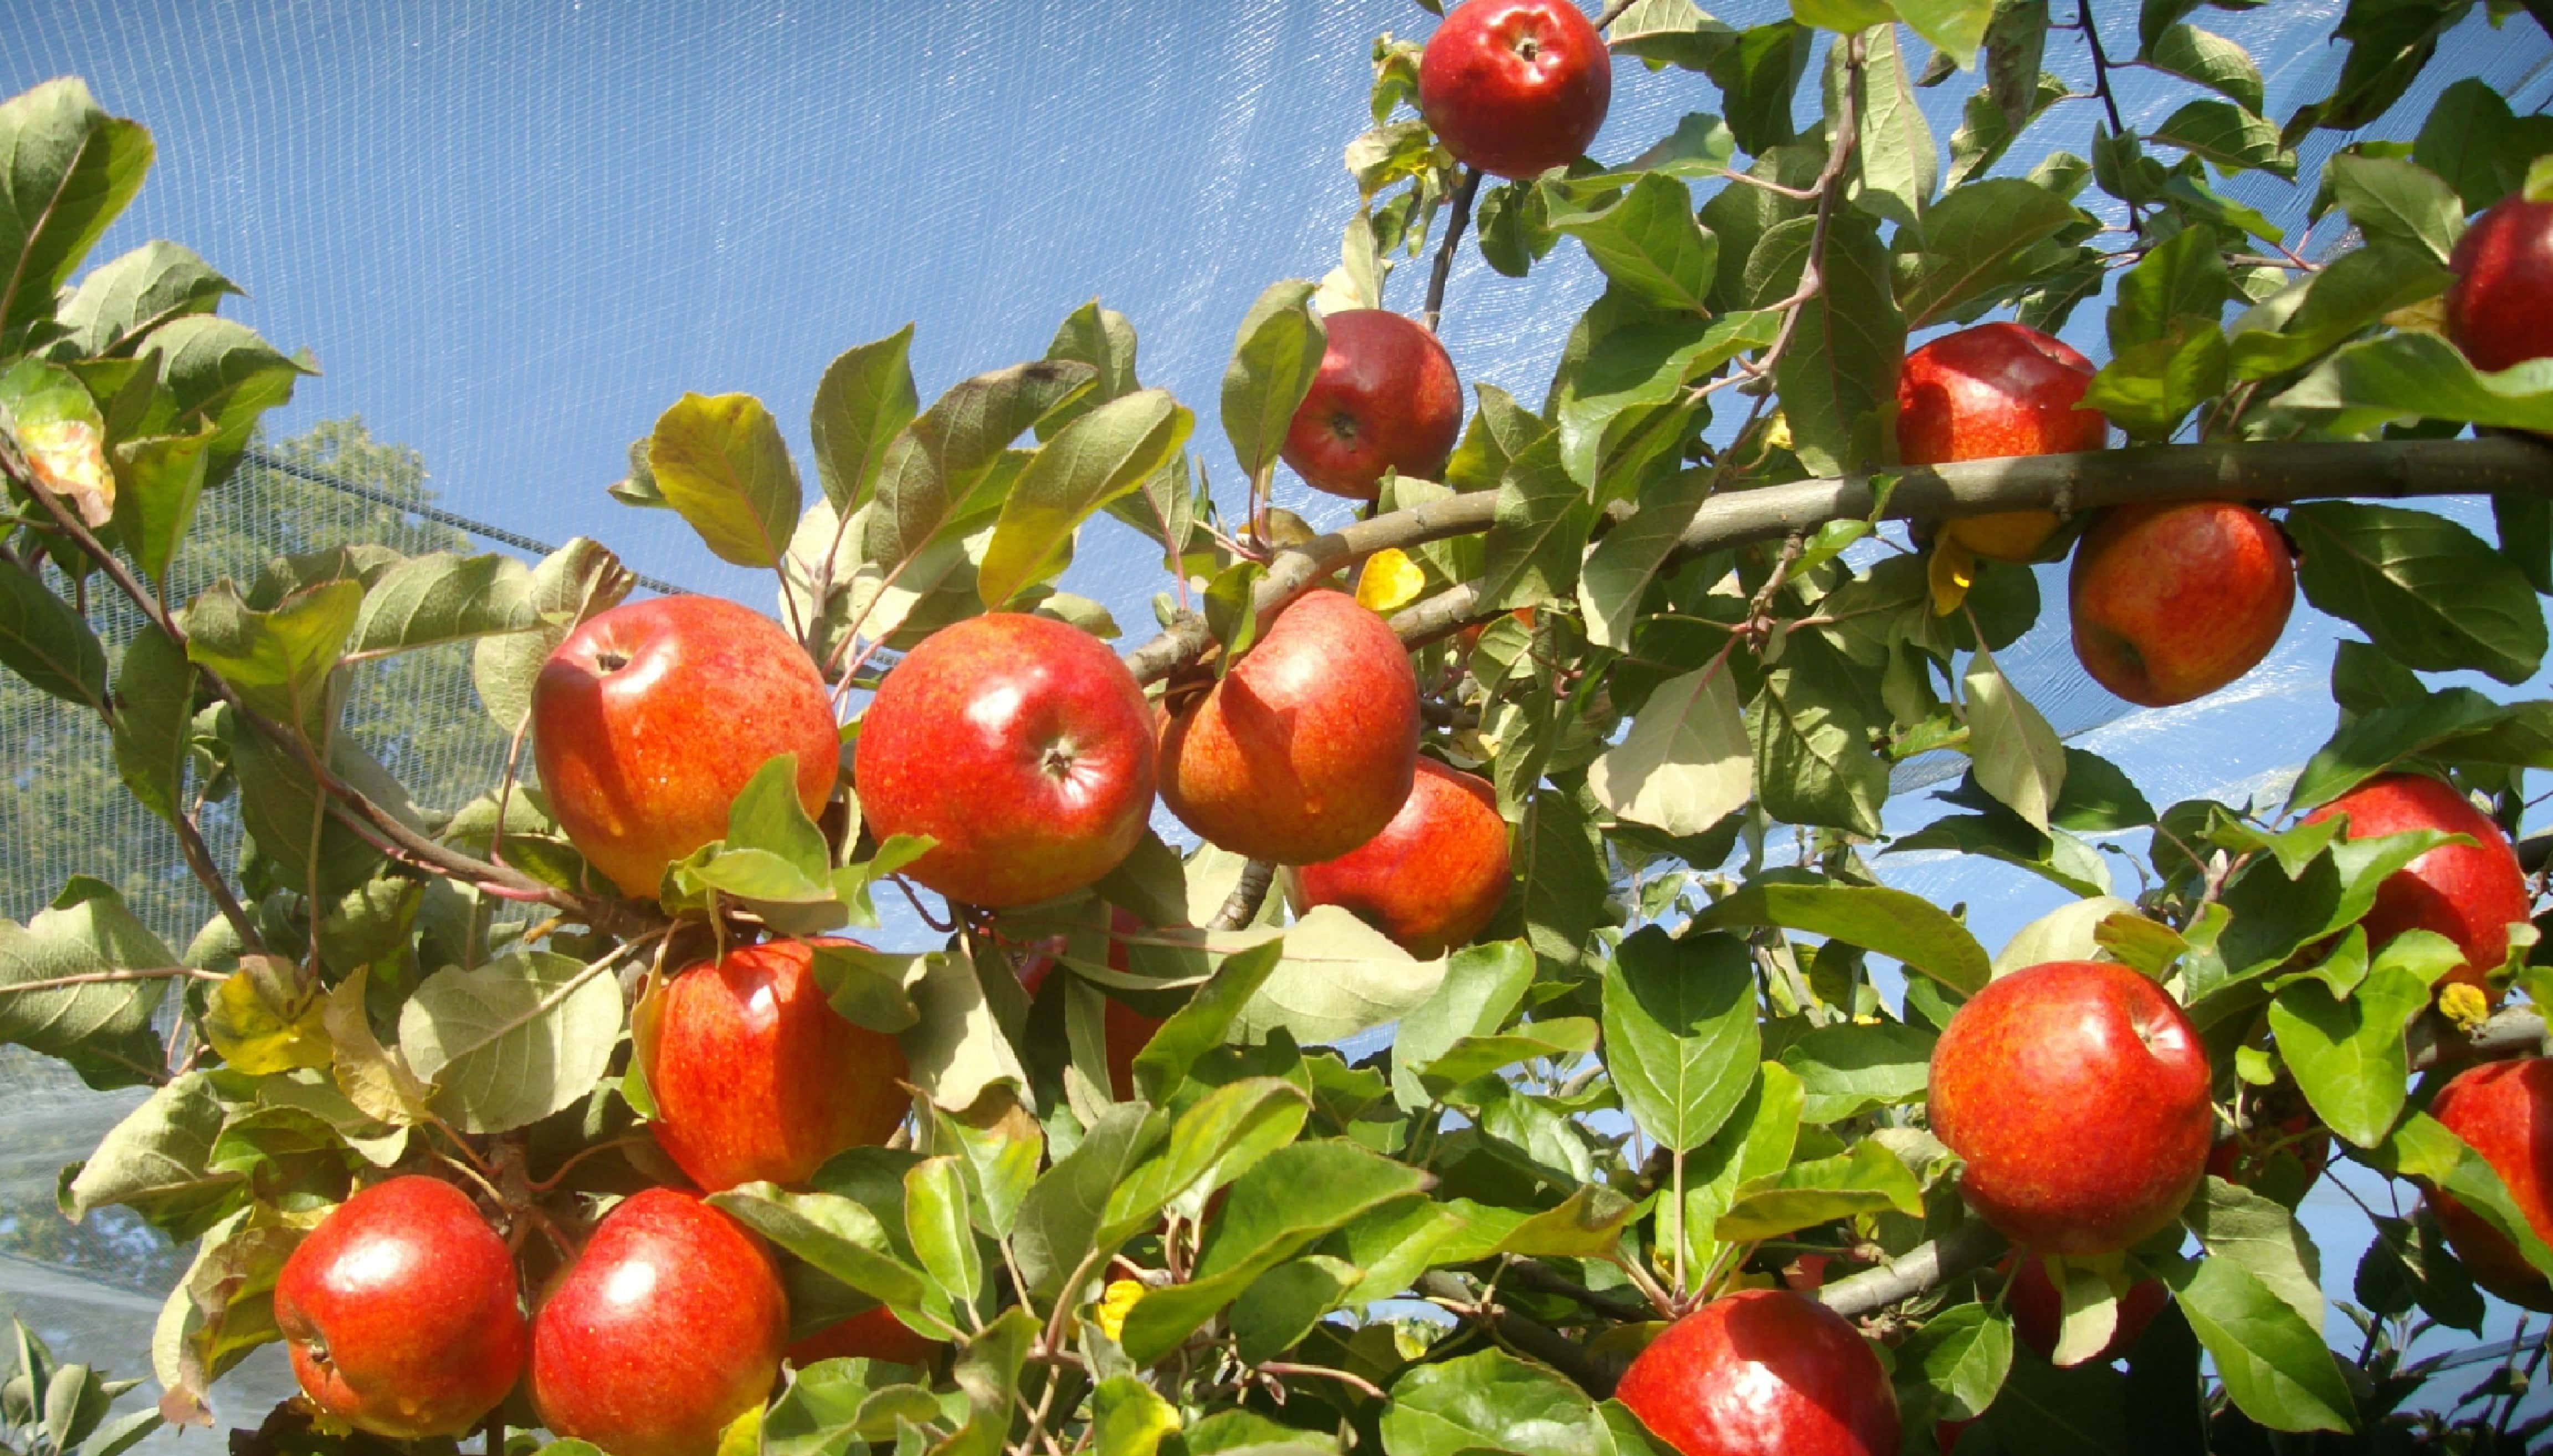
[1929, 1265]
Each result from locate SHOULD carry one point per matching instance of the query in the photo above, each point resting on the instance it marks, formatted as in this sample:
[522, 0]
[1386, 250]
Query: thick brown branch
[1456, 219]
[1595, 1372]
[1928, 1266]
[1248, 893]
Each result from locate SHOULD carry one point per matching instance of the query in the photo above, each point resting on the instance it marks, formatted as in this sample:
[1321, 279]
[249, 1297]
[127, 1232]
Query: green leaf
[2019, 758]
[1893, 923]
[1756, 1143]
[840, 1236]
[1954, 27]
[1639, 363]
[1206, 1021]
[1562, 872]
[865, 398]
[158, 1161]
[1867, 1179]
[128, 296]
[1686, 763]
[720, 461]
[218, 371]
[2209, 60]
[2353, 291]
[1216, 1140]
[2426, 591]
[1962, 1354]
[2273, 1364]
[955, 1048]
[1845, 1070]
[45, 641]
[428, 601]
[2420, 1146]
[2258, 1232]
[1480, 992]
[158, 481]
[1758, 78]
[1811, 734]
[1275, 355]
[1559, 1037]
[1128, 1418]
[2470, 139]
[1538, 531]
[1061, 1219]
[1649, 243]
[2436, 725]
[1899, 162]
[277, 661]
[2423, 377]
[1489, 1401]
[1091, 462]
[1681, 1037]
[937, 470]
[1844, 17]
[2396, 202]
[1337, 977]
[103, 1027]
[510, 1043]
[1839, 375]
[2228, 136]
[1104, 339]
[155, 713]
[1668, 33]
[830, 1410]
[1293, 1195]
[2183, 275]
[577, 579]
[1618, 569]
[71, 169]
[1974, 242]
[938, 1219]
[1280, 1307]
[2347, 1056]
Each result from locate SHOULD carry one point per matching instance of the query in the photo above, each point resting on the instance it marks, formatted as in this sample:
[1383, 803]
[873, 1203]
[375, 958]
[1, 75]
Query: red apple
[872, 1334]
[2468, 893]
[668, 1326]
[1308, 746]
[1947, 1433]
[2504, 1111]
[1515, 87]
[1763, 1373]
[756, 1077]
[2038, 1308]
[401, 1313]
[1022, 746]
[1434, 875]
[2173, 602]
[1384, 399]
[2077, 1092]
[1997, 389]
[1124, 1031]
[2499, 310]
[650, 719]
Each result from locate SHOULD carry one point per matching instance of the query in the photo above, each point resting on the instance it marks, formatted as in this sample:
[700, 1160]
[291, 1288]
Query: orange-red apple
[668, 1326]
[1763, 1373]
[1434, 875]
[2077, 1092]
[2499, 310]
[2173, 602]
[1384, 398]
[1515, 87]
[1018, 742]
[401, 1312]
[1994, 391]
[650, 719]
[2468, 893]
[756, 1077]
[1307, 746]
[2504, 1111]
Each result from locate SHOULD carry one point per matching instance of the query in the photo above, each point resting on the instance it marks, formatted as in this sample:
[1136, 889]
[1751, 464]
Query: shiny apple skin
[669, 1325]
[1124, 1031]
[1515, 87]
[756, 1077]
[1435, 874]
[1994, 391]
[401, 1313]
[2077, 1093]
[2468, 893]
[1763, 1373]
[1020, 744]
[872, 1334]
[1384, 399]
[2173, 602]
[1308, 746]
[2503, 1110]
[2500, 310]
[2039, 1309]
[640, 760]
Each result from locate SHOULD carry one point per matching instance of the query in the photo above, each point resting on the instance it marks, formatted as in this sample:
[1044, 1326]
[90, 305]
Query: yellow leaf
[2465, 1005]
[1953, 571]
[743, 1435]
[1114, 1304]
[69, 457]
[1777, 431]
[268, 1016]
[1389, 581]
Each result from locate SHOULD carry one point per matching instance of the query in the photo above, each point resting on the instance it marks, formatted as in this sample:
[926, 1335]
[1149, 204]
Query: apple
[1763, 1373]
[1515, 87]
[1307, 748]
[650, 719]
[1435, 874]
[667, 1326]
[756, 1077]
[1384, 398]
[2038, 1308]
[401, 1312]
[2500, 310]
[1020, 744]
[2077, 1092]
[872, 1334]
[2468, 893]
[1947, 1433]
[2503, 1110]
[2173, 600]
[1124, 1031]
[1997, 389]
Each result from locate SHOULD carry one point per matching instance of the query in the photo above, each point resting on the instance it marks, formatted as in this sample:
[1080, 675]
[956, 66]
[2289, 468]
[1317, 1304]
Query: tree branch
[2512, 1032]
[1248, 893]
[1455, 222]
[1570, 1357]
[1969, 1246]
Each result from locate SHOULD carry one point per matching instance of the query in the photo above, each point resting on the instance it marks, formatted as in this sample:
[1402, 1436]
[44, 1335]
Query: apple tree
[1441, 991]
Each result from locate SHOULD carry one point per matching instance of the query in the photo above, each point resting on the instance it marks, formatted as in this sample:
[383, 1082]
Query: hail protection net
[512, 231]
